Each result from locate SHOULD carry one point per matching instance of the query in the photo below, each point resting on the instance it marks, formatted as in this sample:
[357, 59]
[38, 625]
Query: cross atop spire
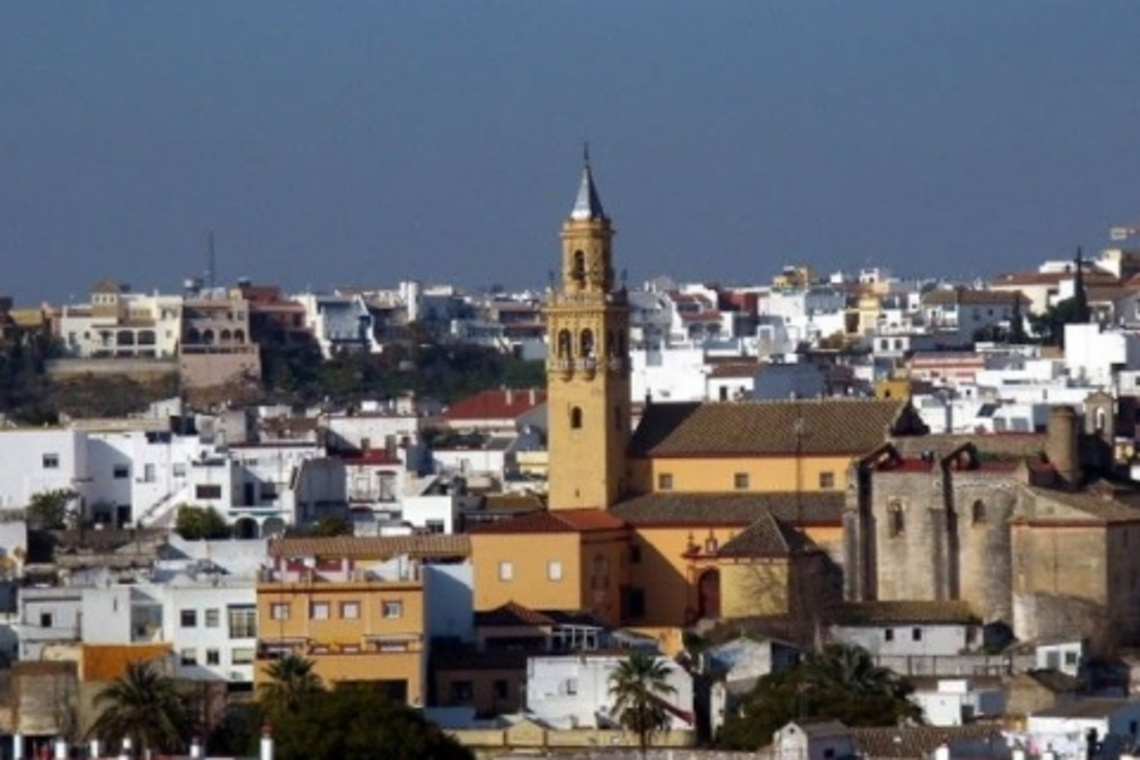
[587, 206]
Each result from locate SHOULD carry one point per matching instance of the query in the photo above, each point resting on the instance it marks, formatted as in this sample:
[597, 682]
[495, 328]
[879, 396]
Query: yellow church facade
[706, 510]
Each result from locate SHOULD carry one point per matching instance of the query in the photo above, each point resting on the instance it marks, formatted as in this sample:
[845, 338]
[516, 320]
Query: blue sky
[368, 142]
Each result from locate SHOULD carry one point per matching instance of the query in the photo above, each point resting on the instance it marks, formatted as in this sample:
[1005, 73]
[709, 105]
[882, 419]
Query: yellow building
[552, 560]
[588, 391]
[637, 524]
[356, 607]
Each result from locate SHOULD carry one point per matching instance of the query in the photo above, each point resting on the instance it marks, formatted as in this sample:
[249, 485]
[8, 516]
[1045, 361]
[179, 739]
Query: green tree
[360, 722]
[147, 707]
[838, 683]
[200, 523]
[51, 510]
[1049, 327]
[291, 687]
[640, 686]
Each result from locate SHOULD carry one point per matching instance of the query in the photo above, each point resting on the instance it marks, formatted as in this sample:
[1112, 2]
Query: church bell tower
[587, 369]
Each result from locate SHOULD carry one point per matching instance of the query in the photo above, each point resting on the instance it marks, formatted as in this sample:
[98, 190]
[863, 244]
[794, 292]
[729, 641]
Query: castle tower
[587, 372]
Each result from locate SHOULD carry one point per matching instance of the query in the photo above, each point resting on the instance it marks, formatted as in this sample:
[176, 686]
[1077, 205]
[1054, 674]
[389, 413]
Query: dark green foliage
[349, 722]
[148, 707]
[839, 683]
[1050, 326]
[51, 510]
[640, 685]
[198, 523]
[326, 527]
[428, 368]
[359, 722]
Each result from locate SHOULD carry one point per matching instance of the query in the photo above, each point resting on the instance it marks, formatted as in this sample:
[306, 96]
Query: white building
[1066, 729]
[118, 323]
[339, 323]
[1093, 354]
[573, 691]
[957, 701]
[35, 460]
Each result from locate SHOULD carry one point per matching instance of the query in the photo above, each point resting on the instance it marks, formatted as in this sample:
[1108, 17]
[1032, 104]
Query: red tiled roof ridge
[553, 521]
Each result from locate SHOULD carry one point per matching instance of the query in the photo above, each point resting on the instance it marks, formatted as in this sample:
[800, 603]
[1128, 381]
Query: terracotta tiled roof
[759, 428]
[767, 537]
[513, 614]
[1090, 707]
[971, 297]
[820, 508]
[1055, 681]
[513, 502]
[495, 405]
[1052, 278]
[919, 741]
[734, 369]
[378, 548]
[916, 612]
[557, 521]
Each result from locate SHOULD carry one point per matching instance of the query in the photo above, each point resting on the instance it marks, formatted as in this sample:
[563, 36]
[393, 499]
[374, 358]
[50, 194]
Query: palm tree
[848, 674]
[145, 706]
[292, 683]
[640, 686]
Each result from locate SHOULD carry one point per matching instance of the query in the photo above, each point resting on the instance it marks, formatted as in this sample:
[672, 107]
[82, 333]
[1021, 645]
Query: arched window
[239, 336]
[226, 336]
[897, 520]
[586, 343]
[1101, 420]
[125, 338]
[978, 512]
[576, 418]
[193, 336]
[579, 272]
[208, 337]
[565, 343]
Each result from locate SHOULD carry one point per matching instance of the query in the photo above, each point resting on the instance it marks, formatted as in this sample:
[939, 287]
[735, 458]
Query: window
[916, 634]
[1070, 658]
[213, 657]
[636, 603]
[665, 481]
[46, 620]
[978, 512]
[51, 461]
[393, 609]
[554, 570]
[897, 519]
[827, 480]
[189, 657]
[243, 621]
[740, 481]
[829, 753]
[350, 610]
[889, 634]
[635, 554]
[576, 418]
[569, 687]
[318, 611]
[435, 526]
[213, 618]
[189, 618]
[462, 691]
[279, 611]
[242, 656]
[501, 688]
[208, 492]
[180, 470]
[148, 473]
[121, 471]
[506, 571]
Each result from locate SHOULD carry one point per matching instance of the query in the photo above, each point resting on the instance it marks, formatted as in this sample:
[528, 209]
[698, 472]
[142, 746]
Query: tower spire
[587, 206]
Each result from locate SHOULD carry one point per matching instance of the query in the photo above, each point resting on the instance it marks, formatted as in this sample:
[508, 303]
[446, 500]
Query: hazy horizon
[355, 143]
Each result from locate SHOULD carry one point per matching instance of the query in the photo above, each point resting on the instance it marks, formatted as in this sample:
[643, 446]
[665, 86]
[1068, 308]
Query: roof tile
[798, 509]
[372, 547]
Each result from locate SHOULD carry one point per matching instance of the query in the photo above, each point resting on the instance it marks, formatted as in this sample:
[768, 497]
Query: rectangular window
[180, 470]
[279, 611]
[148, 473]
[213, 657]
[189, 618]
[665, 481]
[121, 471]
[506, 571]
[501, 688]
[635, 554]
[243, 620]
[636, 603]
[207, 492]
[554, 570]
[889, 634]
[827, 480]
[213, 618]
[1070, 658]
[435, 526]
[243, 656]
[319, 611]
[51, 461]
[189, 657]
[916, 634]
[393, 609]
[350, 610]
[740, 481]
[46, 620]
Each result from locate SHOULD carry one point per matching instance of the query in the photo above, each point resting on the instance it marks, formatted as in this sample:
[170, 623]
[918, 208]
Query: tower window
[897, 520]
[586, 343]
[740, 481]
[576, 418]
[665, 481]
[565, 343]
[978, 512]
[579, 271]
